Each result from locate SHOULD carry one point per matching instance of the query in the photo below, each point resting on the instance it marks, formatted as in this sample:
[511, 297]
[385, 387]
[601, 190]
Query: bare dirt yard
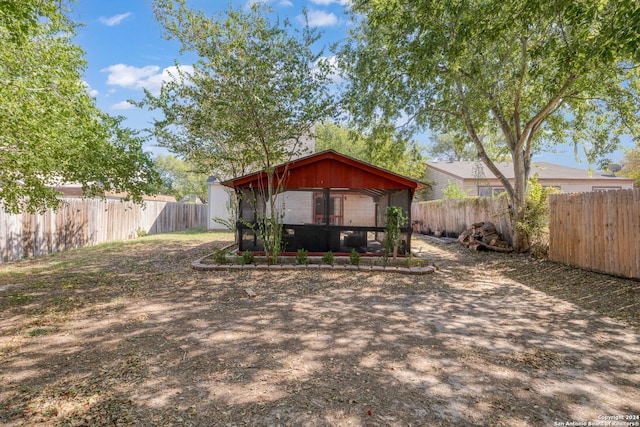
[130, 334]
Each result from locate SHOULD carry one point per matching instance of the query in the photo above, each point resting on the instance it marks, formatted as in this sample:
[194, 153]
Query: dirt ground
[130, 334]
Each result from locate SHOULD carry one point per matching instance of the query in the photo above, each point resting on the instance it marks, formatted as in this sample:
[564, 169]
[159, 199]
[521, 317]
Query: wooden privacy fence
[597, 231]
[81, 223]
[456, 215]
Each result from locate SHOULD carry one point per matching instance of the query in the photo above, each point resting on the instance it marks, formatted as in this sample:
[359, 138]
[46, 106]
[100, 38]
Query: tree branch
[478, 143]
[533, 124]
[516, 103]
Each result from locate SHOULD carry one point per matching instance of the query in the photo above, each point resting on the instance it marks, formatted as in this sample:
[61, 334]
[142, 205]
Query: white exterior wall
[218, 205]
[297, 206]
[359, 210]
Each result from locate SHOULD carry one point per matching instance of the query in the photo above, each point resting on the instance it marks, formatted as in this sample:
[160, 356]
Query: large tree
[181, 179]
[249, 101]
[540, 73]
[51, 131]
[398, 155]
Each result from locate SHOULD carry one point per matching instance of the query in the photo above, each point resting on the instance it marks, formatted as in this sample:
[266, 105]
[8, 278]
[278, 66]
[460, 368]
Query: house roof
[328, 169]
[544, 170]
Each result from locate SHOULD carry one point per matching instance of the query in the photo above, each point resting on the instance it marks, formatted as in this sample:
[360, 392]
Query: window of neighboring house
[490, 191]
[336, 209]
[606, 188]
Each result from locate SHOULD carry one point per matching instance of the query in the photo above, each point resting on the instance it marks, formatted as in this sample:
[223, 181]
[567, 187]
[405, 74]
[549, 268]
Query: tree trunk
[521, 240]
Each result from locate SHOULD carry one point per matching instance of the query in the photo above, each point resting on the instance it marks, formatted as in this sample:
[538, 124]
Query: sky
[126, 53]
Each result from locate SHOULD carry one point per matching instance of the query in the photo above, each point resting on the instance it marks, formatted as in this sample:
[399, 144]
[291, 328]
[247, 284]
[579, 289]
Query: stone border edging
[198, 265]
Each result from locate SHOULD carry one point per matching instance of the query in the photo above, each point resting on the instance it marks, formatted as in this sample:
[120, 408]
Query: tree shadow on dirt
[159, 343]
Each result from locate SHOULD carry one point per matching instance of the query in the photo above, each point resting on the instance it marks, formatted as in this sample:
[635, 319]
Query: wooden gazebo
[328, 202]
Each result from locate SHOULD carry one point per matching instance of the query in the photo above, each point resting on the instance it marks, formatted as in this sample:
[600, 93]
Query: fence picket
[89, 222]
[597, 231]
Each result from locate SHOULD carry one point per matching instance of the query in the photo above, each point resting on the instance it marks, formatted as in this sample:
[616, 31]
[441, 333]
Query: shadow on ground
[136, 337]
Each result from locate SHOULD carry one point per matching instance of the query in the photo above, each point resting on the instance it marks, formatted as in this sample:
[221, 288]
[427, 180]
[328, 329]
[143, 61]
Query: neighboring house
[476, 179]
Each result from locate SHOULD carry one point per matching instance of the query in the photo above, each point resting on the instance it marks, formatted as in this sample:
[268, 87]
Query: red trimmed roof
[329, 169]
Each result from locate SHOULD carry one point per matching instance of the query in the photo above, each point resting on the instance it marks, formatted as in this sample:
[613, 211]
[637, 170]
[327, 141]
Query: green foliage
[454, 146]
[631, 167]
[302, 257]
[255, 91]
[395, 219]
[536, 74]
[52, 131]
[387, 151]
[141, 232]
[180, 179]
[535, 221]
[328, 258]
[220, 256]
[249, 101]
[247, 258]
[37, 332]
[453, 191]
[412, 261]
[354, 257]
[20, 298]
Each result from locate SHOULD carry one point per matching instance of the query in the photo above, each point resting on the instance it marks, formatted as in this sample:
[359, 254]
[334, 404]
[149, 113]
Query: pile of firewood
[483, 235]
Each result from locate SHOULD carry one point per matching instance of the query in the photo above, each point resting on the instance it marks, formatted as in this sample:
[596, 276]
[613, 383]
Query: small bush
[247, 258]
[411, 261]
[327, 258]
[302, 257]
[354, 257]
[220, 256]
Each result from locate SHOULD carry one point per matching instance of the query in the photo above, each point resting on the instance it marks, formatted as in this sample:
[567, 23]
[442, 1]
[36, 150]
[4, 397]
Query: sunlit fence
[81, 223]
[452, 217]
[597, 231]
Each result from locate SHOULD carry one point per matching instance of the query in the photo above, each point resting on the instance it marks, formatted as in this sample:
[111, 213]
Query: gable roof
[544, 170]
[328, 169]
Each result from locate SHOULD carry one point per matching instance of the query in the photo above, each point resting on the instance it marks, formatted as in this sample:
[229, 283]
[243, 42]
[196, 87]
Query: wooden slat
[597, 231]
[89, 222]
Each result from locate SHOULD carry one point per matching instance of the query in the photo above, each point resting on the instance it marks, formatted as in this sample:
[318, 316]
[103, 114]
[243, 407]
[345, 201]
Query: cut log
[484, 236]
[478, 246]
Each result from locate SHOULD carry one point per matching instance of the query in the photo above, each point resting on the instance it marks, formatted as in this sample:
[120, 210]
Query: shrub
[247, 257]
[354, 257]
[220, 256]
[453, 191]
[411, 261]
[327, 258]
[395, 219]
[302, 257]
[535, 223]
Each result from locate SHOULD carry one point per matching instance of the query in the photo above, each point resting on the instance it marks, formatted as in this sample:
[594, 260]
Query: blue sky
[126, 53]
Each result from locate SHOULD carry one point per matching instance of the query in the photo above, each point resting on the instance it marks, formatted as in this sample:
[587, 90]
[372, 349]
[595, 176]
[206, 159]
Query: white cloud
[115, 19]
[320, 18]
[285, 3]
[124, 105]
[149, 77]
[91, 91]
